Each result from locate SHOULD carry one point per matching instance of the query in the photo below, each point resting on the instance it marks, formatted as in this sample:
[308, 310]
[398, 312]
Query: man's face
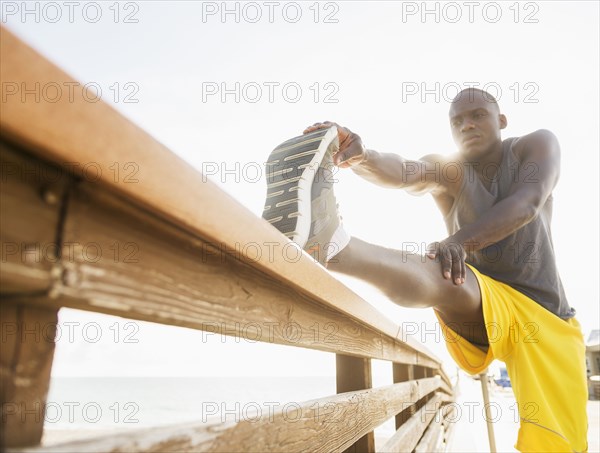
[476, 123]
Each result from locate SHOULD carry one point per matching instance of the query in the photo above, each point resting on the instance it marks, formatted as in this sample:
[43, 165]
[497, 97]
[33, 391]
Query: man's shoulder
[541, 138]
[448, 170]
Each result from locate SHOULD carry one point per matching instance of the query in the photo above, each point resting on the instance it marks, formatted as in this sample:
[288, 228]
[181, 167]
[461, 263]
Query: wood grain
[122, 260]
[408, 435]
[354, 373]
[324, 425]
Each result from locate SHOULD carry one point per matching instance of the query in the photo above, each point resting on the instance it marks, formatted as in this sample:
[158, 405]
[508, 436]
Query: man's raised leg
[411, 280]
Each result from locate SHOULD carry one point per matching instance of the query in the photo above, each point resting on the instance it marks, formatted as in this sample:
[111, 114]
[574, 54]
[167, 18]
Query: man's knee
[463, 298]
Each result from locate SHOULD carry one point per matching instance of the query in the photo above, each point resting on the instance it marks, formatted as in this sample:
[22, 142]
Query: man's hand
[351, 151]
[452, 255]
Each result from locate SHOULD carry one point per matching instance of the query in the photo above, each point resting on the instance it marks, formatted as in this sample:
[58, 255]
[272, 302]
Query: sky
[222, 84]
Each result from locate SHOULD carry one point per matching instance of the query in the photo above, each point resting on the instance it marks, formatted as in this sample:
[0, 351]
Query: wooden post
[421, 372]
[27, 349]
[404, 373]
[483, 377]
[354, 373]
[30, 224]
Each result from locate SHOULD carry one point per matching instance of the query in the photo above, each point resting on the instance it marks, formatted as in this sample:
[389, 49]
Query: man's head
[476, 121]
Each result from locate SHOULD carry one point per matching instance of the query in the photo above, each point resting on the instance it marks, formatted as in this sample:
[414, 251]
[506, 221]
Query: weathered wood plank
[325, 425]
[354, 373]
[75, 130]
[27, 349]
[433, 437]
[408, 435]
[121, 260]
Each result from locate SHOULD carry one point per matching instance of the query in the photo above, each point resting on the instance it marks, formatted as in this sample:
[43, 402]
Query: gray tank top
[524, 260]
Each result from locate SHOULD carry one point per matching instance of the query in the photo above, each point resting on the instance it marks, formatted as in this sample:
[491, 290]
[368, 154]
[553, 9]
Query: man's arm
[539, 155]
[393, 171]
[385, 169]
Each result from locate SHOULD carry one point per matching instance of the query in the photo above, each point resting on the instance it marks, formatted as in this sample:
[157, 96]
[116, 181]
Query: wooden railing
[182, 261]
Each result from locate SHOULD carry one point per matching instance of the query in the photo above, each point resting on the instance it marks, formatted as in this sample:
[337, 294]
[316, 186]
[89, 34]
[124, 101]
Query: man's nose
[467, 125]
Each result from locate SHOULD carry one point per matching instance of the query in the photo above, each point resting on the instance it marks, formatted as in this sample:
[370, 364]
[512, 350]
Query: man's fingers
[452, 258]
[317, 126]
[351, 151]
[456, 268]
[432, 250]
[314, 127]
[446, 264]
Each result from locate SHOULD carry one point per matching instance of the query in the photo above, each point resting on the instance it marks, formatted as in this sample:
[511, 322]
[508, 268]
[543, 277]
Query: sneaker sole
[290, 170]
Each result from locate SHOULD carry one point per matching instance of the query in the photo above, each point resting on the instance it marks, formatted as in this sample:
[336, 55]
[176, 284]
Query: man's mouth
[470, 139]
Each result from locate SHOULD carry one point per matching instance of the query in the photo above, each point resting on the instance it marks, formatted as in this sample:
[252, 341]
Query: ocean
[126, 402]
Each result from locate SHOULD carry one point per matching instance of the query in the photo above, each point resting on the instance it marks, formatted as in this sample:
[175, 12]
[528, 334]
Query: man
[497, 294]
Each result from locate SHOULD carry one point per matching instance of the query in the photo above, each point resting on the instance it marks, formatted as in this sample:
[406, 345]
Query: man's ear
[503, 121]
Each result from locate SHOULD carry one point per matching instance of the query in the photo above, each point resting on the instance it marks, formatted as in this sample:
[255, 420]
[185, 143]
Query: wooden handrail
[76, 130]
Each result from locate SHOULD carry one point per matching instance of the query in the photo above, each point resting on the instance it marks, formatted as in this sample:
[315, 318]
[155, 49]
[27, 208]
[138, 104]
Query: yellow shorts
[545, 360]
